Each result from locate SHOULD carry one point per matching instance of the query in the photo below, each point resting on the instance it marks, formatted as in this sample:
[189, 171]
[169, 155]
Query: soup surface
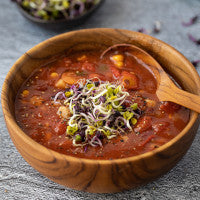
[97, 108]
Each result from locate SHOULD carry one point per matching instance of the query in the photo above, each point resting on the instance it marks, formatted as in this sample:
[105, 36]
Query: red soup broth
[37, 114]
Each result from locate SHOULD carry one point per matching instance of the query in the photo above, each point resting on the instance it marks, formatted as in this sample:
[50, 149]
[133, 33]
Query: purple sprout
[142, 30]
[76, 12]
[82, 134]
[77, 108]
[193, 39]
[102, 99]
[96, 83]
[192, 21]
[99, 135]
[95, 141]
[86, 148]
[59, 95]
[196, 63]
[93, 118]
[73, 87]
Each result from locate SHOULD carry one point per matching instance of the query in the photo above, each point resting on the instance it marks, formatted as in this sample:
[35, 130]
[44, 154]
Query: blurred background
[176, 22]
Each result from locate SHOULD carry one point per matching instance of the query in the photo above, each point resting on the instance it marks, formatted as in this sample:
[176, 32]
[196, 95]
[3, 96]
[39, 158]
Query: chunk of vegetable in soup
[84, 106]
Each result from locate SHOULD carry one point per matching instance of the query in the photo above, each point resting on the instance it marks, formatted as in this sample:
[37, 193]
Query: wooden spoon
[166, 89]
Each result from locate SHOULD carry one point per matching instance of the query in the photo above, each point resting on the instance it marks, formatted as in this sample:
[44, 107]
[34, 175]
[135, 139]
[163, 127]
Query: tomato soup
[91, 107]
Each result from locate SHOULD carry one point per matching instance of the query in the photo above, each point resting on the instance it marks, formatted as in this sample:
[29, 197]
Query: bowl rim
[11, 122]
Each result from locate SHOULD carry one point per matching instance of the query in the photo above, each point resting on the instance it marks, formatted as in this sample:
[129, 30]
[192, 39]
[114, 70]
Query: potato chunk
[130, 81]
[70, 77]
[143, 124]
[60, 84]
[150, 103]
[64, 112]
[82, 58]
[54, 75]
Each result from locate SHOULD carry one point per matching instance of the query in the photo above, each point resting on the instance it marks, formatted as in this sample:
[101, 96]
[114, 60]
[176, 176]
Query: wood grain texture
[102, 176]
[168, 91]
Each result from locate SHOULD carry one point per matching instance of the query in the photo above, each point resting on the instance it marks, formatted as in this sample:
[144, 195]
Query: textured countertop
[18, 180]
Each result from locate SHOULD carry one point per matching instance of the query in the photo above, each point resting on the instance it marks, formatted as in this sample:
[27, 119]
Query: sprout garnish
[98, 110]
[51, 10]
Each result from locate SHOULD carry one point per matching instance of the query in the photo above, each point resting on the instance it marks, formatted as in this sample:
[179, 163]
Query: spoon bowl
[166, 88]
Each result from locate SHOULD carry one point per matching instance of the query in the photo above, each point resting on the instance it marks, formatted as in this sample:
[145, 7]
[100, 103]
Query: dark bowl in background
[60, 22]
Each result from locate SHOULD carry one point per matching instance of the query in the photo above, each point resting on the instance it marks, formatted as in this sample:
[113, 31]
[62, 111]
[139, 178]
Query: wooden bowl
[100, 176]
[60, 22]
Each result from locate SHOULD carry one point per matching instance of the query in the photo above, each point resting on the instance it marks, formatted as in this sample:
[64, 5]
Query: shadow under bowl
[100, 176]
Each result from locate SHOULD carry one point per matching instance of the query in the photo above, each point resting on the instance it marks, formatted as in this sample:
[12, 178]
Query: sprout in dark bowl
[53, 10]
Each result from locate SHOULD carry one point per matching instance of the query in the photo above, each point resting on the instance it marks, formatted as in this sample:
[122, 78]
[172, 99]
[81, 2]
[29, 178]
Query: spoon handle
[180, 97]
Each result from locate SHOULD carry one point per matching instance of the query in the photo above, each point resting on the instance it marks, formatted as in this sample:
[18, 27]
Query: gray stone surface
[18, 180]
